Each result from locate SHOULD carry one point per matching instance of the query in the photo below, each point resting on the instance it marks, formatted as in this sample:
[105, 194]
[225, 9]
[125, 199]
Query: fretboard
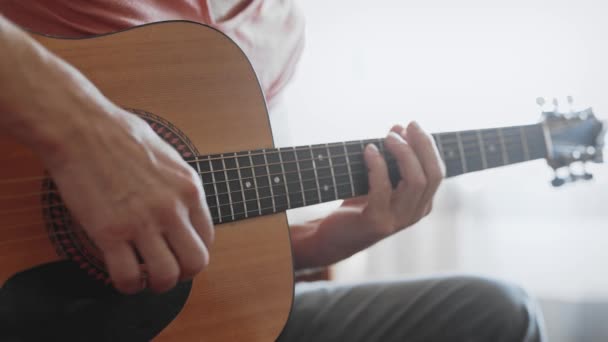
[260, 182]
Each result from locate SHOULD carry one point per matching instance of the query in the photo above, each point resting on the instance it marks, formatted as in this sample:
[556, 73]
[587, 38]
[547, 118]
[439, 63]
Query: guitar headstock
[573, 137]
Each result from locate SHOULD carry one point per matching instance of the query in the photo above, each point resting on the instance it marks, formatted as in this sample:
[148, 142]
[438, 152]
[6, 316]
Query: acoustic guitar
[198, 91]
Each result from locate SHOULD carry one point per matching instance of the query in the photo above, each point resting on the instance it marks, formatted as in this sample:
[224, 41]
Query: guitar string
[226, 181]
[353, 154]
[246, 212]
[507, 138]
[390, 161]
[253, 211]
[208, 196]
[257, 199]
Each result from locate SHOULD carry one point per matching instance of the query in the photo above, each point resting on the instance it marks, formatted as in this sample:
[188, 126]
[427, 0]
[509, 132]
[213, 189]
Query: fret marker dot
[320, 157]
[277, 179]
[325, 187]
[248, 184]
[492, 148]
[450, 154]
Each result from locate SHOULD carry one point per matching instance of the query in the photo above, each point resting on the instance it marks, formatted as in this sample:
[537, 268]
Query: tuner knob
[557, 182]
[586, 175]
[540, 101]
[570, 103]
[555, 105]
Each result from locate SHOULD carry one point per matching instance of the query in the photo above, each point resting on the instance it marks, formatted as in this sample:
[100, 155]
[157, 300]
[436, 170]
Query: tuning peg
[555, 105]
[570, 103]
[557, 182]
[540, 101]
[586, 175]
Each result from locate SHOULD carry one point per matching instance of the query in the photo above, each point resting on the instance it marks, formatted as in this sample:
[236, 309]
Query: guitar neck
[259, 182]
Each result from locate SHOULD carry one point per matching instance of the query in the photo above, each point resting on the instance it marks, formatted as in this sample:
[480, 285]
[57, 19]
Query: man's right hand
[132, 193]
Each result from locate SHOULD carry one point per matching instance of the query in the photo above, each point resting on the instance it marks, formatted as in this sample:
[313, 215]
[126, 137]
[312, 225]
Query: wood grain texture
[196, 78]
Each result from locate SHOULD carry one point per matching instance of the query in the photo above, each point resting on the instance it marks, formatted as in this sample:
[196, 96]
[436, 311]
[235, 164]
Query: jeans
[454, 308]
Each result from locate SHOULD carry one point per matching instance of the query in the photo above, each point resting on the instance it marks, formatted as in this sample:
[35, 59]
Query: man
[161, 214]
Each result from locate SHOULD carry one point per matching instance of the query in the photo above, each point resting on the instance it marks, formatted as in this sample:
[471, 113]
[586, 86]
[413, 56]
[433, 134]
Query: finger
[122, 265]
[199, 214]
[427, 153]
[163, 269]
[202, 222]
[428, 208]
[379, 193]
[398, 129]
[190, 251]
[413, 181]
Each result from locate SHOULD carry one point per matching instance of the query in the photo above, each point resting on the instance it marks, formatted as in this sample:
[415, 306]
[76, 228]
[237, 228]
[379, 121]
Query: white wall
[457, 65]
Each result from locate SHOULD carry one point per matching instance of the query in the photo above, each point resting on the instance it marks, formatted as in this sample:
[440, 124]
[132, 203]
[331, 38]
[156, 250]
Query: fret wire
[462, 157]
[505, 157]
[331, 169]
[228, 186]
[274, 205]
[314, 166]
[350, 175]
[198, 167]
[284, 179]
[238, 166]
[217, 197]
[295, 153]
[439, 146]
[482, 150]
[255, 183]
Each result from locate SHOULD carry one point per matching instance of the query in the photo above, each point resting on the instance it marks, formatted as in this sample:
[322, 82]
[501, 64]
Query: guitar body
[200, 93]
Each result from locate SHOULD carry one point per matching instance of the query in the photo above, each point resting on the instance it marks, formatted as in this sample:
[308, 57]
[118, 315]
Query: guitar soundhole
[67, 235]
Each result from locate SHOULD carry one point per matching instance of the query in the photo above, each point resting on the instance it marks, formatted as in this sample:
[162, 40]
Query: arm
[361, 222]
[80, 135]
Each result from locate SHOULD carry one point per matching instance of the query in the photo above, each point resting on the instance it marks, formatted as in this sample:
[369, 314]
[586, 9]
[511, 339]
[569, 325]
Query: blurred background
[467, 64]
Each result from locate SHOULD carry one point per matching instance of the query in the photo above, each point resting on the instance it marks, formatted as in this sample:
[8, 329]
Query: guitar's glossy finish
[198, 80]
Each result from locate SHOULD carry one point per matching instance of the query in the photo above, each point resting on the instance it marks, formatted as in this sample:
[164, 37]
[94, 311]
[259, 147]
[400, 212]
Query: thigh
[452, 308]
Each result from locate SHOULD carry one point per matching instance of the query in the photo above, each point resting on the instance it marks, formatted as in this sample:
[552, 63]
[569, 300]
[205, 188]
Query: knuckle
[116, 231]
[194, 266]
[192, 190]
[165, 206]
[384, 230]
[164, 281]
[127, 283]
[385, 184]
[380, 224]
[419, 182]
[435, 177]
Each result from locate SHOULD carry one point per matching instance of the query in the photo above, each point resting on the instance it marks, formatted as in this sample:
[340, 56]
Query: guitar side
[198, 81]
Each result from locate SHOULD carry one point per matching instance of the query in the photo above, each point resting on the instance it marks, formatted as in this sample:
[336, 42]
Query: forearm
[39, 93]
[304, 243]
[331, 239]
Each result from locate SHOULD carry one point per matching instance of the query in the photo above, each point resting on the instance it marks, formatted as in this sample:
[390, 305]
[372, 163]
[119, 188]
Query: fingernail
[373, 148]
[398, 137]
[416, 125]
